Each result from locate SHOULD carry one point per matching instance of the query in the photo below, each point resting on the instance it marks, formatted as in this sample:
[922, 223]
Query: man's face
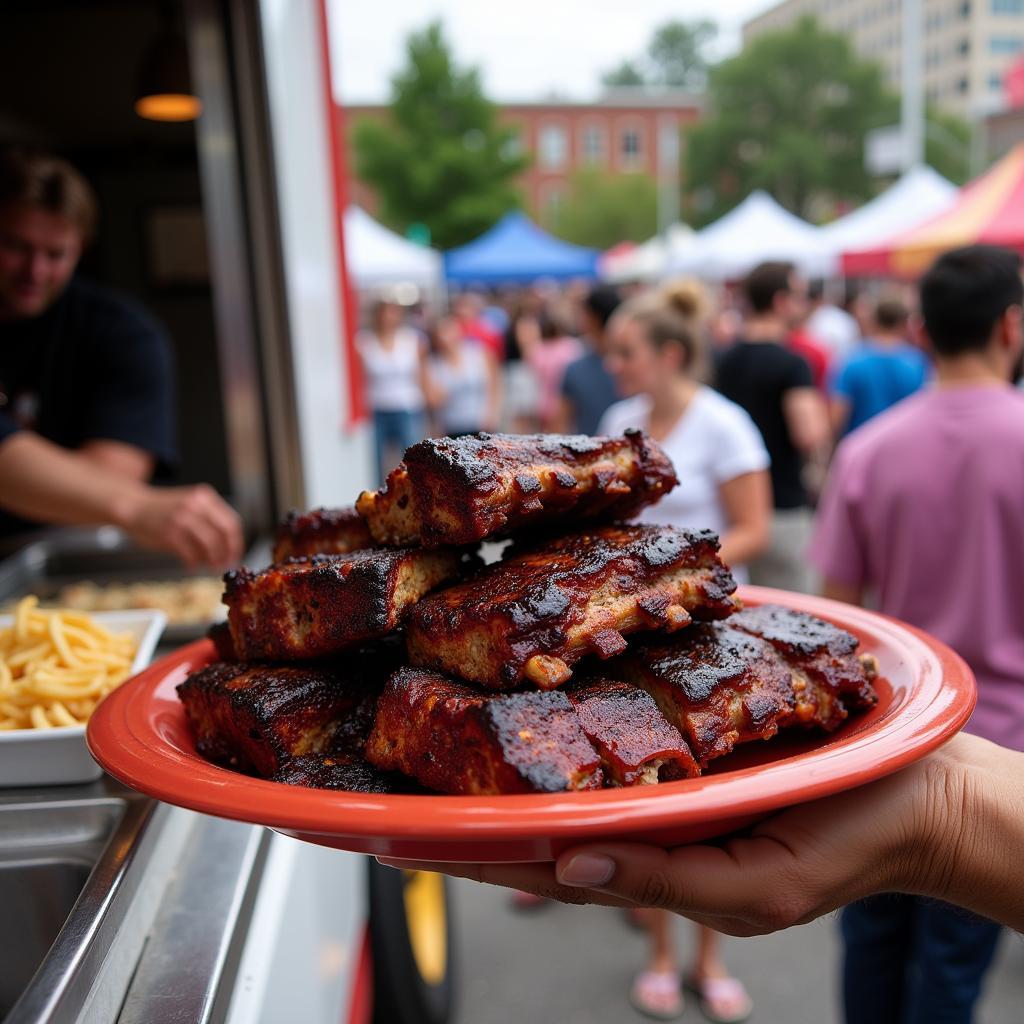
[791, 305]
[39, 251]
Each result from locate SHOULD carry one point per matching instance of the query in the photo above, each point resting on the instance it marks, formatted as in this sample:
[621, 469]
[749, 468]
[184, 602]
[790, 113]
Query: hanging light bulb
[164, 90]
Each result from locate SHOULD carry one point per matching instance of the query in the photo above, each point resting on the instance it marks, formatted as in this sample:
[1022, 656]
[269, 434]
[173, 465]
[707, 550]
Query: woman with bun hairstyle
[656, 353]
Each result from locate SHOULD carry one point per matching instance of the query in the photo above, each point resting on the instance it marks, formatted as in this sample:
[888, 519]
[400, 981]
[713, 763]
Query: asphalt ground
[573, 965]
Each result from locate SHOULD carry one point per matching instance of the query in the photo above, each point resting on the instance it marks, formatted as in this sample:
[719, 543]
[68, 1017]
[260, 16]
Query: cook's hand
[896, 834]
[194, 523]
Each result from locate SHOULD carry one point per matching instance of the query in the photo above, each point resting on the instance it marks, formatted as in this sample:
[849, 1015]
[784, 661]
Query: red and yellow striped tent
[989, 210]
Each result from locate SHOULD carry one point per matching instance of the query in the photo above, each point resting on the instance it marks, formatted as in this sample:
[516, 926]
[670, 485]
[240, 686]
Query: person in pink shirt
[548, 358]
[924, 511]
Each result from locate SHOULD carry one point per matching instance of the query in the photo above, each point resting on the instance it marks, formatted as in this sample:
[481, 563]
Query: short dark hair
[32, 178]
[965, 293]
[764, 282]
[891, 313]
[602, 301]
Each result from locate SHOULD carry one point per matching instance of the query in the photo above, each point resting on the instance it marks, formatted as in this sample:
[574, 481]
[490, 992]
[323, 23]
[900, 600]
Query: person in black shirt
[86, 384]
[587, 387]
[776, 388]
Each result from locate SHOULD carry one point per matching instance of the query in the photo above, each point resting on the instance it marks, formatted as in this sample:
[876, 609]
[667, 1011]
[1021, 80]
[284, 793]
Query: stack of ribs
[379, 654]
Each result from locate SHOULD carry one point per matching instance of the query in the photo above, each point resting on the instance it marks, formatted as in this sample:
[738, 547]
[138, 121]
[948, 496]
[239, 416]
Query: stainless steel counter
[145, 906]
[118, 909]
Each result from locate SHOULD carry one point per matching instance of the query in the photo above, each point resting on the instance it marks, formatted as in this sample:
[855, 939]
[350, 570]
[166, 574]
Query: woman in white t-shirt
[465, 383]
[655, 353]
[394, 371]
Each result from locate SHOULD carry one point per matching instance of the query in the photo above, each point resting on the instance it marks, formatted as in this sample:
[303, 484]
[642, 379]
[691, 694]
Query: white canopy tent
[650, 260]
[758, 229]
[379, 258]
[919, 194]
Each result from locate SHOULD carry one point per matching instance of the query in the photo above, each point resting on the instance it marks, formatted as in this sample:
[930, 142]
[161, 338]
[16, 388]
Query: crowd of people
[872, 450]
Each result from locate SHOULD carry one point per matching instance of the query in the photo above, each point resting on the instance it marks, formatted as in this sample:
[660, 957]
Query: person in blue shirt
[882, 371]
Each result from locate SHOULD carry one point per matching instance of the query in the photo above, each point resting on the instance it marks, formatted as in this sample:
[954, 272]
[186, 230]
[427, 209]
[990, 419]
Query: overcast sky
[526, 49]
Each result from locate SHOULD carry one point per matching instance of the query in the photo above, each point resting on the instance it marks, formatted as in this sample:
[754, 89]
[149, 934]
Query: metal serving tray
[54, 558]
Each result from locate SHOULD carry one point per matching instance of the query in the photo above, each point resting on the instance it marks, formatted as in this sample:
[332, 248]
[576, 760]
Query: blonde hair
[674, 314]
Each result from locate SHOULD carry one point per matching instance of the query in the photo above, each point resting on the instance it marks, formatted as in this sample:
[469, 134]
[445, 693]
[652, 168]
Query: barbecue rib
[458, 740]
[224, 644]
[320, 771]
[721, 685]
[822, 655]
[461, 490]
[256, 717]
[533, 615]
[637, 745]
[324, 531]
[307, 608]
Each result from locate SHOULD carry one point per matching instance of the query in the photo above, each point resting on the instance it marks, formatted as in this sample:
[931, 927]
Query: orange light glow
[169, 107]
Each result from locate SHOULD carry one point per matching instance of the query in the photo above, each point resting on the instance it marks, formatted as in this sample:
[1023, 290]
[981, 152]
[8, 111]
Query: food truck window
[69, 77]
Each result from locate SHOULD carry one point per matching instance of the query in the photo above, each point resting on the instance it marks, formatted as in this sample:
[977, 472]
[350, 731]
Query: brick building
[627, 131]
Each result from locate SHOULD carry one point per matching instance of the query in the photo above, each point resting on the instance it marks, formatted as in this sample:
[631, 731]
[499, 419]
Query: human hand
[902, 833]
[194, 523]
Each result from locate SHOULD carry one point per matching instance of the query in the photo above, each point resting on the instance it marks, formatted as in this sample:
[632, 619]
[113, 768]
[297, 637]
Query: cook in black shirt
[775, 386]
[86, 383]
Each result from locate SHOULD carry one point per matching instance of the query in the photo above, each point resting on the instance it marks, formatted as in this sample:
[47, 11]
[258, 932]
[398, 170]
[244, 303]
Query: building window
[631, 149]
[995, 81]
[964, 47]
[552, 205]
[1005, 44]
[553, 146]
[593, 144]
[962, 85]
[965, 9]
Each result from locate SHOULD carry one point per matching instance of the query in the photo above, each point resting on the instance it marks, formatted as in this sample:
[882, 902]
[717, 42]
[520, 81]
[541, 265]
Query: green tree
[788, 115]
[441, 158]
[602, 209]
[628, 73]
[675, 58]
[677, 53]
[947, 145]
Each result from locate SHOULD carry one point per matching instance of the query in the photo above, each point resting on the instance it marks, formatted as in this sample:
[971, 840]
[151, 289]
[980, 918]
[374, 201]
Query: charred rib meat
[458, 740]
[717, 685]
[532, 616]
[324, 531]
[637, 745]
[321, 771]
[822, 656]
[257, 717]
[459, 491]
[308, 608]
[722, 685]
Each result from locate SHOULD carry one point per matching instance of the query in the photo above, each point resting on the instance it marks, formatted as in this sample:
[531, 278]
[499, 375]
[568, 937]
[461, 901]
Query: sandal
[657, 994]
[721, 1000]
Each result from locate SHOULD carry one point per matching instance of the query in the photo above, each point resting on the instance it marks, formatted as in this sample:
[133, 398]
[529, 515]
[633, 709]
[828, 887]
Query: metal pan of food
[94, 570]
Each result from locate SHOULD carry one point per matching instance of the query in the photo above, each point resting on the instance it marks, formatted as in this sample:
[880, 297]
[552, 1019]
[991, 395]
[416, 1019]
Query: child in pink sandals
[657, 991]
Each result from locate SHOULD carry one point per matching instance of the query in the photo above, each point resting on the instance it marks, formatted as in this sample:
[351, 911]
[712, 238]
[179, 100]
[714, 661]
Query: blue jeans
[909, 960]
[394, 430]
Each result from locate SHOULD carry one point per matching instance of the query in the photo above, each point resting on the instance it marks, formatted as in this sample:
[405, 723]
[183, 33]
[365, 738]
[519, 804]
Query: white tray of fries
[55, 667]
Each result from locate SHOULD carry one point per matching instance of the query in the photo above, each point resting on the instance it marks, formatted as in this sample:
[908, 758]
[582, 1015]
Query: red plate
[926, 694]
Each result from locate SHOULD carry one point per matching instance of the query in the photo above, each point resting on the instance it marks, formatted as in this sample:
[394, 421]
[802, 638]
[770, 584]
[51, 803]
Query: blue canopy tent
[516, 251]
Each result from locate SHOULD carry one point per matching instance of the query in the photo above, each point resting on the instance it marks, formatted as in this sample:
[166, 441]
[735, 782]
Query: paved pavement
[573, 965]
